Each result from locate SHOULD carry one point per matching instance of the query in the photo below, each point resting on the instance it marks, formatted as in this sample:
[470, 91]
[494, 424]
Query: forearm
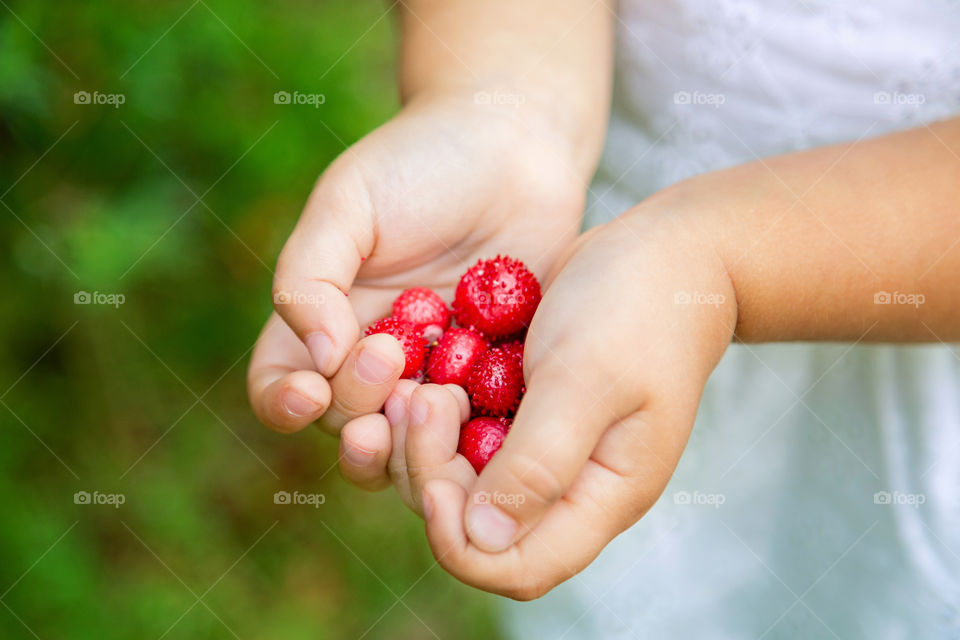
[811, 241]
[552, 61]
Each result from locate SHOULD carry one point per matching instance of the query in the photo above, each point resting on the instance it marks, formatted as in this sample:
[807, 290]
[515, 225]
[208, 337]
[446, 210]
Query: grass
[179, 200]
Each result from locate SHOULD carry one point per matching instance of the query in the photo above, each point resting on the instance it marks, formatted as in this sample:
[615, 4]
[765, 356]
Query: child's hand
[615, 363]
[415, 203]
[797, 247]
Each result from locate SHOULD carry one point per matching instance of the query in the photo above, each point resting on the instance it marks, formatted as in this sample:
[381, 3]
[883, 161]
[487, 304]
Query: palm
[442, 186]
[447, 186]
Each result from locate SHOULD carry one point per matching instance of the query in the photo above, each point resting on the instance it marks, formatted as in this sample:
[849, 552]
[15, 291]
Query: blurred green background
[146, 399]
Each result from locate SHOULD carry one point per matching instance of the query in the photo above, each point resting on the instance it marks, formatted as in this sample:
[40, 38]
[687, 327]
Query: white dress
[819, 496]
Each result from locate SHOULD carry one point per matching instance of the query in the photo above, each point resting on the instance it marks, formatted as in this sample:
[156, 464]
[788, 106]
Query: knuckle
[397, 469]
[518, 581]
[527, 587]
[534, 479]
[537, 581]
[352, 405]
[417, 473]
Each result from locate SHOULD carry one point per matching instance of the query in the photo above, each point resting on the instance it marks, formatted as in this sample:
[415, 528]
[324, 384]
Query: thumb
[318, 265]
[557, 427]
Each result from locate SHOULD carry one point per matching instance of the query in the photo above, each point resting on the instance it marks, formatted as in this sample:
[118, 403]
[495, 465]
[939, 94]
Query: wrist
[683, 281]
[557, 57]
[569, 128]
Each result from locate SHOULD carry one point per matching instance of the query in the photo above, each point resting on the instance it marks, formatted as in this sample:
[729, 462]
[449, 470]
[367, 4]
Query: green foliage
[179, 200]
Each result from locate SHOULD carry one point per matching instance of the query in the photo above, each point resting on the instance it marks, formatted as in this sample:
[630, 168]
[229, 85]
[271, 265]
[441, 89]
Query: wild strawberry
[496, 297]
[519, 336]
[414, 345]
[454, 356]
[480, 439]
[496, 383]
[425, 309]
[514, 348]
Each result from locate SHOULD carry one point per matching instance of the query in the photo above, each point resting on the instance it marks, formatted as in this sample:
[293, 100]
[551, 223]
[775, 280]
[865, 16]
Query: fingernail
[394, 410]
[427, 502]
[320, 347]
[490, 528]
[298, 405]
[418, 410]
[357, 456]
[373, 368]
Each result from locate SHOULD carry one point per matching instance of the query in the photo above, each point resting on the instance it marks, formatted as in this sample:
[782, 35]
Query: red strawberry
[496, 383]
[414, 346]
[514, 348]
[423, 308]
[496, 297]
[480, 439]
[519, 336]
[452, 359]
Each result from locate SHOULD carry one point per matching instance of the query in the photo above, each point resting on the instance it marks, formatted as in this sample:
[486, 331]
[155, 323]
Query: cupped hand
[415, 203]
[615, 363]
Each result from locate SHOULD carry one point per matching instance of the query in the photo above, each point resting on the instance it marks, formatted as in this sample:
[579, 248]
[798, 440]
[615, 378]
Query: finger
[395, 409]
[365, 451]
[285, 392]
[364, 381]
[434, 427]
[463, 400]
[564, 542]
[435, 415]
[555, 430]
[318, 265]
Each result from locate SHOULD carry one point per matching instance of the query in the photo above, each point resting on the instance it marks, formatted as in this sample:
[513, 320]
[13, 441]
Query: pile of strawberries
[493, 305]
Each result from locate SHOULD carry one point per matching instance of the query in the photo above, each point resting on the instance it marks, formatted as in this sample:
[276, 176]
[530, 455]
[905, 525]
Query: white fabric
[795, 440]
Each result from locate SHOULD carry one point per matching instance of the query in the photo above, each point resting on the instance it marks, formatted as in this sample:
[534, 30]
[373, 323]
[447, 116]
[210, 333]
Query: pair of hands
[614, 366]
